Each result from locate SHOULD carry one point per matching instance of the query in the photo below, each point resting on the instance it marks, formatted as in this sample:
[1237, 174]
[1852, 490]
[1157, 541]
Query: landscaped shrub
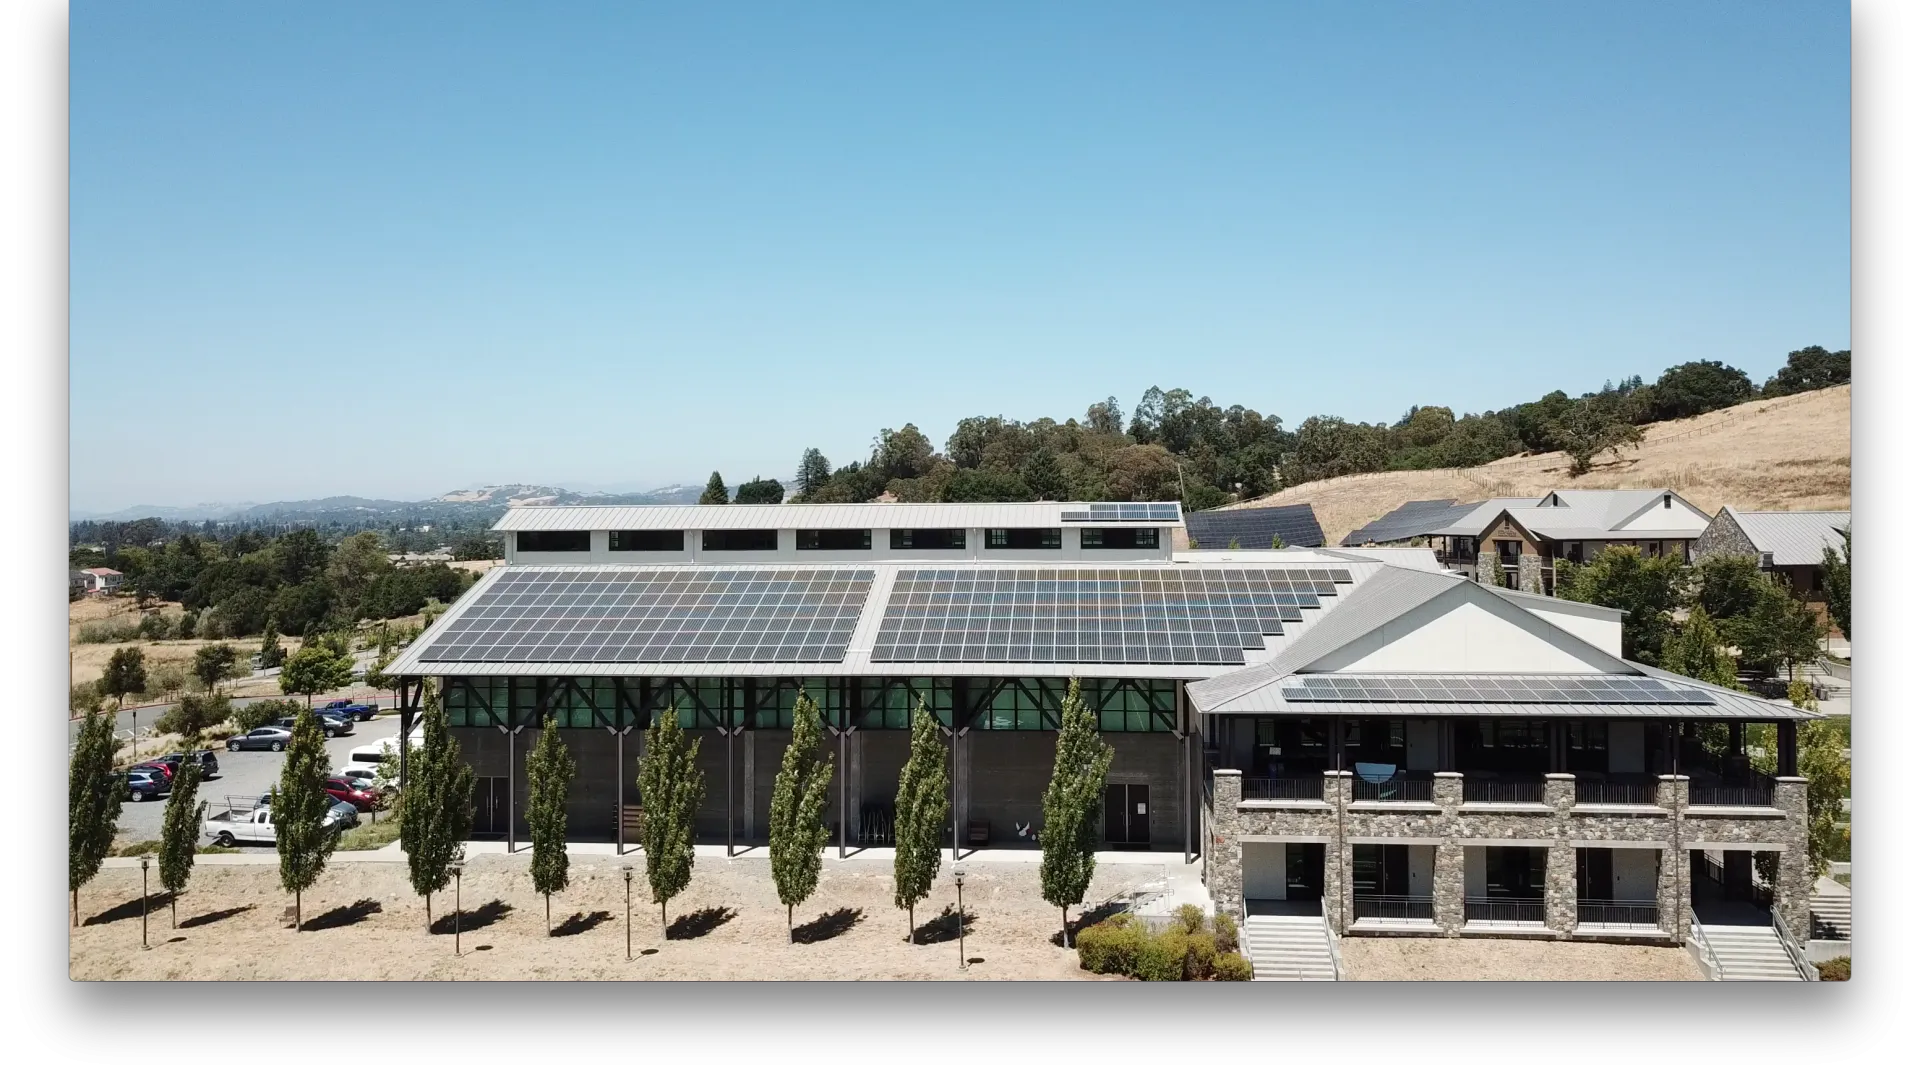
[1838, 969]
[1111, 946]
[262, 713]
[1232, 967]
[1200, 956]
[1163, 958]
[1192, 919]
[1226, 933]
[195, 715]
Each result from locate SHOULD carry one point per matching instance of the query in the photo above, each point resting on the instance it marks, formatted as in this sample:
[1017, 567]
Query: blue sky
[393, 249]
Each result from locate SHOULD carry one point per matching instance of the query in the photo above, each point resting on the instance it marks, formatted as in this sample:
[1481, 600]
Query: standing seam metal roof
[1794, 537]
[1025, 515]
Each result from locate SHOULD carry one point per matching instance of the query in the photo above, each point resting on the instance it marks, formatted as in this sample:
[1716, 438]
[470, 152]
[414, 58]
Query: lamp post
[955, 734]
[458, 865]
[960, 889]
[510, 732]
[145, 860]
[620, 788]
[626, 871]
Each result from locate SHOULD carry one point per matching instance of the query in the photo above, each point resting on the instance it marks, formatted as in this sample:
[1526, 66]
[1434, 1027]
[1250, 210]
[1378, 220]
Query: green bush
[107, 632]
[195, 715]
[1192, 919]
[1226, 933]
[1232, 967]
[261, 713]
[1200, 957]
[1163, 958]
[1838, 969]
[156, 627]
[1111, 946]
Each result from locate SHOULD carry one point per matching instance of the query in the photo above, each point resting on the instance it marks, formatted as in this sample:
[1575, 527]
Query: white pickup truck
[251, 822]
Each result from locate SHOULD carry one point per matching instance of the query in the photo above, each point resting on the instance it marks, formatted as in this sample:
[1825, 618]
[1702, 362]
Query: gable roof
[1794, 537]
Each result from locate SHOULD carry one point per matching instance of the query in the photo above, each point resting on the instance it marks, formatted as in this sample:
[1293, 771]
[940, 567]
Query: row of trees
[755, 490]
[1177, 446]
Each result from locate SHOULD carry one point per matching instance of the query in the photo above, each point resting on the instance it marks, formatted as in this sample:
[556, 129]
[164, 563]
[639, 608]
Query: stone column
[1674, 891]
[1336, 873]
[1530, 574]
[1223, 842]
[1449, 859]
[1562, 885]
[1486, 569]
[1793, 891]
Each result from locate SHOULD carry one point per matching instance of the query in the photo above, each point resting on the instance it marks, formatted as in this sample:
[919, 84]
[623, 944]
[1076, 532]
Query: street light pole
[627, 872]
[144, 860]
[456, 908]
[960, 889]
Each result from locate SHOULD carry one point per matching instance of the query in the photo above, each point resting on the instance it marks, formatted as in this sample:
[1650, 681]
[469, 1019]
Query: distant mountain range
[454, 504]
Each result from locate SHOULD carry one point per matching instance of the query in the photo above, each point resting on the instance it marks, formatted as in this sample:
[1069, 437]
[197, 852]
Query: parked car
[262, 738]
[335, 724]
[339, 814]
[164, 766]
[208, 761]
[360, 796]
[347, 708]
[370, 774]
[239, 824]
[143, 783]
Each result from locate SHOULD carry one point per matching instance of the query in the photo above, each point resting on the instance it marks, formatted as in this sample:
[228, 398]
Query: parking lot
[246, 775]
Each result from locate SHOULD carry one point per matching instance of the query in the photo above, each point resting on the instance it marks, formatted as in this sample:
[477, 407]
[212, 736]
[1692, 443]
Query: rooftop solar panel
[1124, 512]
[1408, 520]
[653, 616]
[1545, 689]
[1255, 528]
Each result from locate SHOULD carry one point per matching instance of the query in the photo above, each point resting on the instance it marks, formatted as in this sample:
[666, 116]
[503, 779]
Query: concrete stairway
[1288, 947]
[1751, 954]
[1832, 915]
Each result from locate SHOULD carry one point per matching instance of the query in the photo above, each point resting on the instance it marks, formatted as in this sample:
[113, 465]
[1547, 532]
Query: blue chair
[1379, 775]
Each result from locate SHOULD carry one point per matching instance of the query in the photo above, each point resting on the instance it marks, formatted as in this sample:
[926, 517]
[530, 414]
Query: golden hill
[1791, 453]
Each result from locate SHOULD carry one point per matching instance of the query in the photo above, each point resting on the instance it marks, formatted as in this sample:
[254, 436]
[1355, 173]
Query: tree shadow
[700, 923]
[828, 926]
[155, 902]
[580, 922]
[483, 916]
[214, 917]
[346, 915]
[942, 927]
[1089, 917]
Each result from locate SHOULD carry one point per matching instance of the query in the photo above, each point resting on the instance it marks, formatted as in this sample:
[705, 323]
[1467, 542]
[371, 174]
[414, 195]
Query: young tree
[436, 814]
[1070, 809]
[1836, 570]
[315, 669]
[300, 831]
[671, 790]
[1829, 774]
[126, 673]
[1648, 589]
[716, 492]
[549, 778]
[796, 830]
[919, 810]
[271, 654]
[1696, 653]
[211, 663]
[180, 836]
[813, 475]
[1778, 629]
[93, 803]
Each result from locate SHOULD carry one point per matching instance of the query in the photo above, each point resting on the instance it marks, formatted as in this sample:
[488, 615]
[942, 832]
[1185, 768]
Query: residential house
[1790, 544]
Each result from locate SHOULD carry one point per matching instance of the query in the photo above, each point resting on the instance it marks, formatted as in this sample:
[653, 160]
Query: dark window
[1119, 538]
[916, 539]
[647, 540]
[580, 540]
[1023, 538]
[833, 539]
[740, 539]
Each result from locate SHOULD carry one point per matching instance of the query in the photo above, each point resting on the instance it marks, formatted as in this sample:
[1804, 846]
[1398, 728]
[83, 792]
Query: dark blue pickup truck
[346, 707]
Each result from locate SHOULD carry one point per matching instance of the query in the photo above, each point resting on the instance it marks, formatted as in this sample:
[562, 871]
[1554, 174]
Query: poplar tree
[180, 836]
[549, 776]
[93, 802]
[1071, 806]
[300, 831]
[796, 832]
[436, 811]
[671, 790]
[919, 810]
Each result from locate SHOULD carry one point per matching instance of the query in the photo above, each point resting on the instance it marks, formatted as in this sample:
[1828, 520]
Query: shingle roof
[1255, 528]
[1794, 537]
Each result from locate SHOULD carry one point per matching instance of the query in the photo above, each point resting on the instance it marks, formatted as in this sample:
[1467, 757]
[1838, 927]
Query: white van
[362, 761]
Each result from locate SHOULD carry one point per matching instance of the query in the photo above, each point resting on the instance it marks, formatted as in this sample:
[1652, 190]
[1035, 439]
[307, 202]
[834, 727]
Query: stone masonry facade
[1558, 823]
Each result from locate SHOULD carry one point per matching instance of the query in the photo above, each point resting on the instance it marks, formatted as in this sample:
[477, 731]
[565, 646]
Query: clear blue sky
[393, 249]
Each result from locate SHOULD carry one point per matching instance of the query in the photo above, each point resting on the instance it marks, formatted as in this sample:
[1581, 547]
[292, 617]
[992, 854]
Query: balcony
[1393, 908]
[1505, 790]
[1283, 787]
[1622, 792]
[1399, 789]
[1505, 911]
[1746, 791]
[1631, 914]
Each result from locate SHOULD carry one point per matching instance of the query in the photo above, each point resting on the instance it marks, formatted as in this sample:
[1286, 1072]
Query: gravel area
[366, 923]
[1497, 960]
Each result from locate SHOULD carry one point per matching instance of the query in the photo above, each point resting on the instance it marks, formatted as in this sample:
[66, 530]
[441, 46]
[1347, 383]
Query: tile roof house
[103, 580]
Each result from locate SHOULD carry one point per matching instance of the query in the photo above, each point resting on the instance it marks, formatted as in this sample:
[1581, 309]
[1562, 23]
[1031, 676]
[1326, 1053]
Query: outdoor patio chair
[1379, 775]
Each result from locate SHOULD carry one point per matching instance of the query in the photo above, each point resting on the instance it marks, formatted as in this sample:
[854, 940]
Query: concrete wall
[1263, 867]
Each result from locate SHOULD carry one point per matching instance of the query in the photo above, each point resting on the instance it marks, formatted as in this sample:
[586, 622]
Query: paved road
[245, 775]
[145, 716]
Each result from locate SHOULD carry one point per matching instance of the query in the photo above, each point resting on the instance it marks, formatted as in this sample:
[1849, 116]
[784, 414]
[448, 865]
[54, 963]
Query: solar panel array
[1189, 615]
[1125, 512]
[1421, 517]
[1533, 689]
[658, 616]
[1295, 525]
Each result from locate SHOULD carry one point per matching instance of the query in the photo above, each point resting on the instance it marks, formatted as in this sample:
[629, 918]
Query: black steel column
[409, 688]
[1787, 760]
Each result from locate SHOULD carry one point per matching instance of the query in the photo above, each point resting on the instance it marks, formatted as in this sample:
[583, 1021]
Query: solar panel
[1503, 689]
[1187, 615]
[1294, 525]
[1408, 520]
[1124, 512]
[658, 616]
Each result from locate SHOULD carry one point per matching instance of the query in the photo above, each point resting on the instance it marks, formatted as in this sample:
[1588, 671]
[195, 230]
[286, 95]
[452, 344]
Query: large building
[1790, 544]
[1357, 730]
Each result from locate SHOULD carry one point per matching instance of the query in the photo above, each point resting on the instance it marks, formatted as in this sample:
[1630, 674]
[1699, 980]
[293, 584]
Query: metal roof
[1256, 527]
[894, 515]
[1794, 537]
[1725, 704]
[1422, 517]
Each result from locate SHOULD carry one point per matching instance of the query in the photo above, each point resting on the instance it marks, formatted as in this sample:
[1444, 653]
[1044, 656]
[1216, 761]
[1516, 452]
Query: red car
[364, 799]
[163, 766]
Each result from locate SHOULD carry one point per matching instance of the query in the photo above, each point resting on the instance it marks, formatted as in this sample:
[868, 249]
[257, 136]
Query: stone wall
[1486, 569]
[1722, 537]
[1529, 573]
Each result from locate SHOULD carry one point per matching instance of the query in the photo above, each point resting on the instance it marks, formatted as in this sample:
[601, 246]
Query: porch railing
[1396, 790]
[1503, 910]
[1284, 787]
[1630, 912]
[1504, 791]
[1384, 906]
[1618, 792]
[1757, 791]
[1703, 949]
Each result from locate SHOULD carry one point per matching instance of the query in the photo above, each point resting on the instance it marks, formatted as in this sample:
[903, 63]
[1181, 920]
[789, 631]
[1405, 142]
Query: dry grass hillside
[1792, 453]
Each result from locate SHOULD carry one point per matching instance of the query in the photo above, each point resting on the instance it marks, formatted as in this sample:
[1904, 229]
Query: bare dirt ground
[1496, 960]
[364, 922]
[1791, 453]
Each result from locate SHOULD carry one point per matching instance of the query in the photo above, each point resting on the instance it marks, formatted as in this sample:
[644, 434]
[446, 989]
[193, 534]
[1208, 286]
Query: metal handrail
[1504, 791]
[1635, 912]
[1614, 792]
[1409, 907]
[1402, 789]
[1757, 791]
[1333, 941]
[1699, 934]
[1520, 909]
[1805, 967]
[1284, 787]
